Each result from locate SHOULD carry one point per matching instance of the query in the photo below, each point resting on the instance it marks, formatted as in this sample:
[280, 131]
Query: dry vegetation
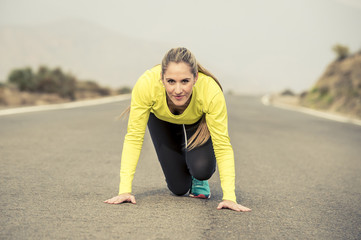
[46, 86]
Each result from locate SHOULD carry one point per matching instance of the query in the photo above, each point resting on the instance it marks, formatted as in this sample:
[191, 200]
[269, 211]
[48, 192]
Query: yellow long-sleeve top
[149, 95]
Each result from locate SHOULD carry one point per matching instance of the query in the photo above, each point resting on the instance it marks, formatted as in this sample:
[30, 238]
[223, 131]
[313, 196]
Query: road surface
[300, 174]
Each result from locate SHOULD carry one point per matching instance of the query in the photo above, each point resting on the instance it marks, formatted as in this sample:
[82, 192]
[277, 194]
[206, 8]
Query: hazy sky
[270, 44]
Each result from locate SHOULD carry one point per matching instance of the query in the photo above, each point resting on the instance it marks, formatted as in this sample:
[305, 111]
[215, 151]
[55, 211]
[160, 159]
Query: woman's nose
[178, 89]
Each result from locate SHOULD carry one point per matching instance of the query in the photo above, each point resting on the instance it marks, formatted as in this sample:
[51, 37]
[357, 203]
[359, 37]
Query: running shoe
[200, 189]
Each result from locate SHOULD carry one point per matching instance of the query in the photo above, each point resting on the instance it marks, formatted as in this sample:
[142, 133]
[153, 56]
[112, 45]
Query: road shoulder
[292, 103]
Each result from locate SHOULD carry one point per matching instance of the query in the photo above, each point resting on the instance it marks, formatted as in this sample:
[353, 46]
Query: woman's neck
[177, 110]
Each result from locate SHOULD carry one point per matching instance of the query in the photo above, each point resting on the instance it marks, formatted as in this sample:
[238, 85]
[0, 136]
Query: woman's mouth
[178, 97]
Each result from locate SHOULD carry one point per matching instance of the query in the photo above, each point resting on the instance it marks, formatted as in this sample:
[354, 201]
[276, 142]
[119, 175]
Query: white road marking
[266, 101]
[69, 105]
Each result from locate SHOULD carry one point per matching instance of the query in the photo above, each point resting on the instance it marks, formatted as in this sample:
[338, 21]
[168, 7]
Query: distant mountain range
[88, 51]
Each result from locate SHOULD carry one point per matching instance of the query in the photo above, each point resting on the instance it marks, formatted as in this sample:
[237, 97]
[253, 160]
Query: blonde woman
[185, 110]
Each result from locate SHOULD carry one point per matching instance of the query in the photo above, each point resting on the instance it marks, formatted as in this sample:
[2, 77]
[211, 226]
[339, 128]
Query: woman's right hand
[124, 197]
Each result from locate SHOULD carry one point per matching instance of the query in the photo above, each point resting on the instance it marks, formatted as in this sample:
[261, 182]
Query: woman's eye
[185, 81]
[170, 81]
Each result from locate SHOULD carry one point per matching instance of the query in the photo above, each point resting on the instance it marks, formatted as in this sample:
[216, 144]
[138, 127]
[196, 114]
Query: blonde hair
[178, 55]
[182, 54]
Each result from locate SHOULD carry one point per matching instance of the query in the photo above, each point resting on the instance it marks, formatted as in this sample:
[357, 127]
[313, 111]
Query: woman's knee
[202, 175]
[179, 190]
[202, 169]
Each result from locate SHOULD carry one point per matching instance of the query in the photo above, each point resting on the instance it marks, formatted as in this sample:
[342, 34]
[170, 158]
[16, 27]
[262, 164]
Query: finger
[234, 207]
[220, 206]
[132, 200]
[244, 209]
[111, 201]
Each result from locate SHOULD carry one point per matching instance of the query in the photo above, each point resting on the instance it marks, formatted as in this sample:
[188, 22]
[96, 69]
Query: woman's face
[178, 82]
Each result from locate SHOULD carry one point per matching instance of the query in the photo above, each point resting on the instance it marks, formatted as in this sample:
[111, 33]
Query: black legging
[178, 164]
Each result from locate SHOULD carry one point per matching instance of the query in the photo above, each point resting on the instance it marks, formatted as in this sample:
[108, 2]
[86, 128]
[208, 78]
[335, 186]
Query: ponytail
[202, 133]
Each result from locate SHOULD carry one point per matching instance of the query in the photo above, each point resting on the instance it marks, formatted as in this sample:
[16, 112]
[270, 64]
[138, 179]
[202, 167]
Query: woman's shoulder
[148, 85]
[207, 86]
[156, 69]
[150, 77]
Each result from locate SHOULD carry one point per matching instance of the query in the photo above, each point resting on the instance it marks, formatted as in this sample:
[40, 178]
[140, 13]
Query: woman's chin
[179, 103]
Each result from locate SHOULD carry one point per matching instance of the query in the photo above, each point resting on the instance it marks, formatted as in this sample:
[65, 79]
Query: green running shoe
[200, 189]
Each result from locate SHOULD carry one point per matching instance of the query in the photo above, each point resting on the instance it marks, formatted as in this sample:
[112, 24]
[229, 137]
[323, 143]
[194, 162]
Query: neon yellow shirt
[149, 95]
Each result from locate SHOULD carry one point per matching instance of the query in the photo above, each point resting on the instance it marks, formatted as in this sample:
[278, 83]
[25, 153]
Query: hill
[338, 89]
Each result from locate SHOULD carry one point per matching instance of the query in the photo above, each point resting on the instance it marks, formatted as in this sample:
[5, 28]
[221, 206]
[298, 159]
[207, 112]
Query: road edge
[83, 103]
[266, 100]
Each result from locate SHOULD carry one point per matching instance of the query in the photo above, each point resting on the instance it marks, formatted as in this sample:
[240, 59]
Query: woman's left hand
[233, 206]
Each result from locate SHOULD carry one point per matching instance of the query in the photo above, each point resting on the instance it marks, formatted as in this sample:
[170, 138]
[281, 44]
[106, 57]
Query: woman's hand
[124, 197]
[233, 206]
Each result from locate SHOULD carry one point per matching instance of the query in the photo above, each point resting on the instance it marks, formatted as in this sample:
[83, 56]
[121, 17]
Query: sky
[270, 45]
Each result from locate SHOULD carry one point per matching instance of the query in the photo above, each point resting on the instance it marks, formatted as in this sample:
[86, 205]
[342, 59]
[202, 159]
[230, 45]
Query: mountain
[88, 51]
[339, 88]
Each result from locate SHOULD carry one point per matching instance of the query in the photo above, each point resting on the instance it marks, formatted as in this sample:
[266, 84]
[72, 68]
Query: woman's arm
[217, 122]
[133, 141]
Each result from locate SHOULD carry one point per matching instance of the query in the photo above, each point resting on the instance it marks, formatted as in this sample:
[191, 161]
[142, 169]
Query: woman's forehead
[178, 69]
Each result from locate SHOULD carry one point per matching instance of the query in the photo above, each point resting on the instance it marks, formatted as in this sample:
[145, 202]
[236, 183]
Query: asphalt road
[300, 174]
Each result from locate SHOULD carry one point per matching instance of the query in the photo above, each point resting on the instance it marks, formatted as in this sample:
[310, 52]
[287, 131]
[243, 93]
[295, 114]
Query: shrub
[23, 79]
[124, 90]
[314, 90]
[103, 91]
[303, 94]
[55, 81]
[44, 81]
[341, 51]
[287, 92]
[323, 90]
[92, 87]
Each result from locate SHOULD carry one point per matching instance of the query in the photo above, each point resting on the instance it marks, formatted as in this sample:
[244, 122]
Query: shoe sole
[200, 196]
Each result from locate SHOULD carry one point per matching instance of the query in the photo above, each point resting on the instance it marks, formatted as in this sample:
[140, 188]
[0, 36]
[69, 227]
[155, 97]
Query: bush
[65, 85]
[341, 51]
[23, 79]
[303, 94]
[44, 81]
[323, 90]
[55, 81]
[124, 90]
[92, 87]
[287, 92]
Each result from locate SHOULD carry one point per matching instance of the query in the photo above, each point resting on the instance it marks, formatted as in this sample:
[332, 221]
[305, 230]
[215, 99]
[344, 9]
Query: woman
[184, 108]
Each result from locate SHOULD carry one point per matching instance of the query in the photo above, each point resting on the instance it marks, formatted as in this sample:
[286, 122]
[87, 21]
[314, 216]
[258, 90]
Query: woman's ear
[161, 79]
[195, 78]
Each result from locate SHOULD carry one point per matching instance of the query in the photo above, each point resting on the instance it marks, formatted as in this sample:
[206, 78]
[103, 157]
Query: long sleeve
[139, 114]
[217, 123]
